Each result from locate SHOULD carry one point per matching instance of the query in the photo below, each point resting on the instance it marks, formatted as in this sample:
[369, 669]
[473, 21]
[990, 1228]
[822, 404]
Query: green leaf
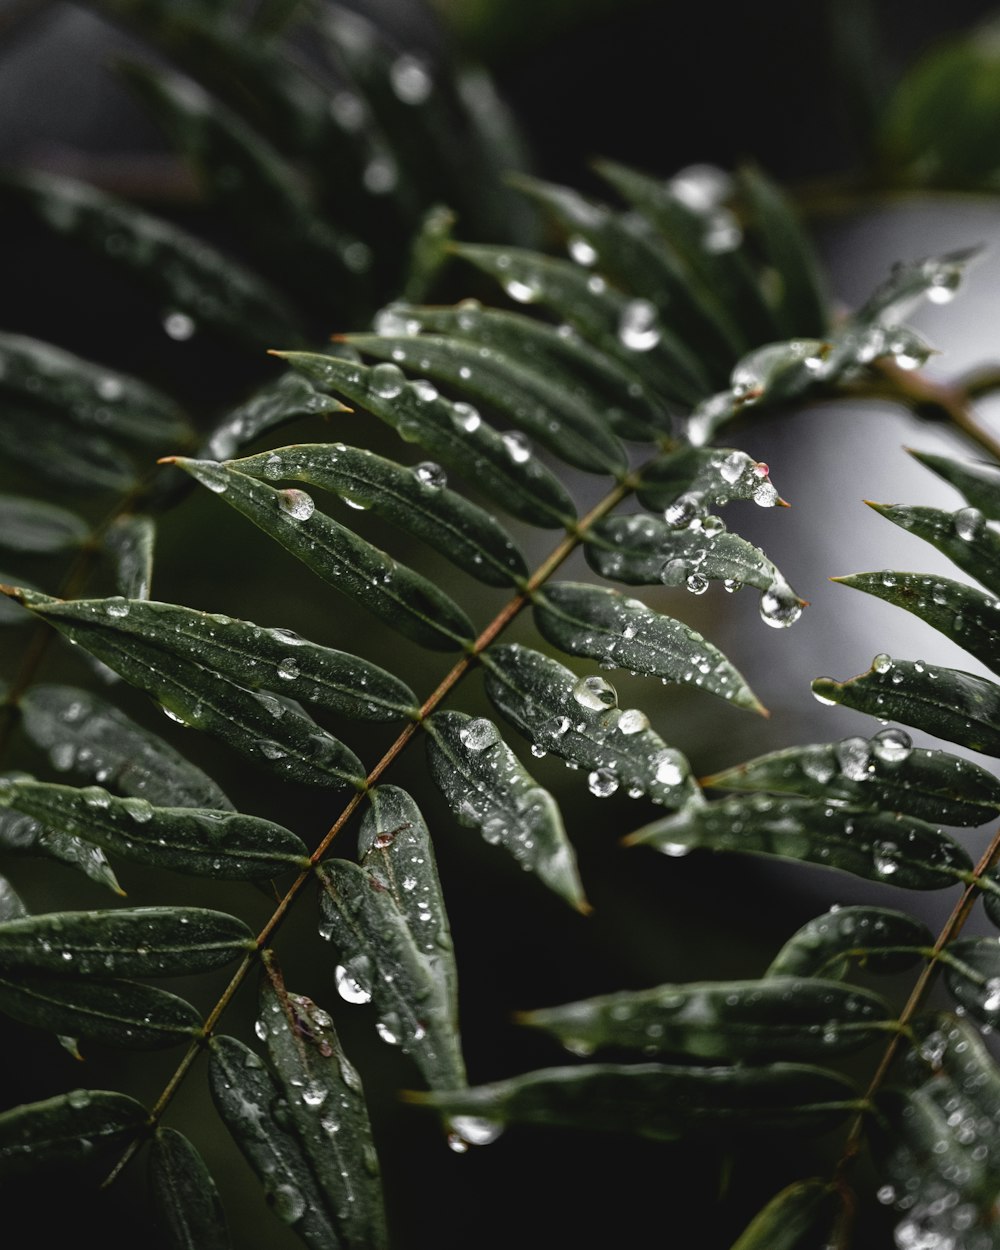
[130, 540]
[89, 395]
[902, 851]
[88, 736]
[873, 938]
[130, 942]
[20, 835]
[753, 1021]
[972, 971]
[605, 626]
[11, 612]
[977, 480]
[454, 434]
[522, 395]
[801, 1217]
[486, 787]
[961, 1062]
[391, 591]
[246, 1095]
[693, 479]
[155, 659]
[33, 527]
[184, 1196]
[111, 1013]
[326, 1111]
[960, 707]
[429, 251]
[935, 278]
[660, 1101]
[82, 459]
[187, 273]
[11, 907]
[883, 772]
[199, 841]
[381, 962]
[963, 536]
[967, 616]
[579, 720]
[273, 405]
[414, 498]
[69, 1128]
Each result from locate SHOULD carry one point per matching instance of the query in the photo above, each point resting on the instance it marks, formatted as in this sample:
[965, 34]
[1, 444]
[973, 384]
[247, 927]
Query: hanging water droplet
[410, 79]
[637, 326]
[296, 504]
[780, 606]
[674, 572]
[764, 495]
[479, 734]
[969, 523]
[425, 391]
[288, 669]
[582, 251]
[595, 693]
[387, 380]
[732, 585]
[683, 510]
[430, 475]
[632, 721]
[944, 280]
[516, 446]
[602, 782]
[892, 745]
[466, 417]
[474, 1130]
[179, 326]
[822, 698]
[352, 980]
[697, 583]
[384, 1028]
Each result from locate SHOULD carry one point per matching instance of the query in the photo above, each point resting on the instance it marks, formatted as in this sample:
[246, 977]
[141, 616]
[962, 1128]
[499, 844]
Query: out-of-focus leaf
[972, 971]
[754, 1021]
[200, 841]
[693, 479]
[11, 907]
[660, 1101]
[111, 1013]
[874, 938]
[801, 1217]
[275, 404]
[967, 616]
[326, 1109]
[83, 459]
[416, 498]
[429, 251]
[486, 786]
[579, 720]
[21, 835]
[963, 536]
[69, 1128]
[85, 734]
[381, 962]
[130, 942]
[977, 480]
[454, 433]
[935, 278]
[393, 592]
[962, 1063]
[130, 540]
[188, 274]
[521, 394]
[960, 707]
[260, 725]
[34, 527]
[184, 1196]
[605, 626]
[899, 850]
[883, 772]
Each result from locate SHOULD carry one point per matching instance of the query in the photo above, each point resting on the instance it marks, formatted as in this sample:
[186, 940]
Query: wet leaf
[873, 938]
[486, 787]
[910, 283]
[130, 540]
[800, 1217]
[289, 398]
[33, 527]
[20, 835]
[694, 479]
[977, 480]
[11, 907]
[963, 536]
[61, 453]
[972, 972]
[69, 1128]
[184, 1196]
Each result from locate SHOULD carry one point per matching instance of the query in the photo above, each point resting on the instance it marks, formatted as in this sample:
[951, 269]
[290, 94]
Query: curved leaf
[34, 527]
[273, 405]
[11, 907]
[130, 541]
[20, 835]
[972, 971]
[697, 478]
[874, 938]
[183, 1194]
[69, 1128]
[800, 1217]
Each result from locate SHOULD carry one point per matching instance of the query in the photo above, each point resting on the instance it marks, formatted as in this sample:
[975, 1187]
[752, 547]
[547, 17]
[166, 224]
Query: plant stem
[951, 401]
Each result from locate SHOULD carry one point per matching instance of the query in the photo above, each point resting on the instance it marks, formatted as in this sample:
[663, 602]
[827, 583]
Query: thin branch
[951, 401]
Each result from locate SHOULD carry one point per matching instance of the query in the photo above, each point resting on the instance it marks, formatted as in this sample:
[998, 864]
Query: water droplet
[479, 734]
[179, 326]
[854, 755]
[348, 111]
[683, 510]
[731, 585]
[385, 1032]
[117, 607]
[517, 446]
[387, 380]
[271, 750]
[883, 859]
[288, 669]
[78, 1098]
[595, 693]
[314, 1096]
[260, 1028]
[602, 782]
[410, 79]
[892, 745]
[700, 188]
[674, 572]
[669, 768]
[882, 663]
[430, 475]
[637, 326]
[352, 980]
[466, 417]
[968, 523]
[289, 1205]
[424, 390]
[523, 292]
[296, 504]
[583, 252]
[474, 1130]
[712, 525]
[780, 606]
[380, 174]
[764, 495]
[393, 322]
[632, 721]
[697, 583]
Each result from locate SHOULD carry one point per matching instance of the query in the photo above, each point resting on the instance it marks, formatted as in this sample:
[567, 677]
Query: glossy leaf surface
[832, 944]
[69, 1128]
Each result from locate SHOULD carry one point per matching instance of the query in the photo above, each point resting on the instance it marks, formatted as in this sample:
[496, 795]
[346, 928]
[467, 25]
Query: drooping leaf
[977, 480]
[88, 736]
[69, 1128]
[129, 942]
[832, 944]
[200, 841]
[882, 772]
[184, 1196]
[972, 971]
[453, 433]
[273, 405]
[130, 541]
[902, 851]
[960, 707]
[416, 498]
[21, 835]
[660, 1101]
[579, 720]
[800, 1217]
[61, 453]
[326, 1109]
[603, 625]
[402, 598]
[34, 527]
[753, 1021]
[382, 962]
[486, 786]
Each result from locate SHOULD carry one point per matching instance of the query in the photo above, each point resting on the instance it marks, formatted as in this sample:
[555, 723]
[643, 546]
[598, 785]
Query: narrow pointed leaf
[21, 835]
[754, 1021]
[936, 278]
[129, 942]
[605, 626]
[86, 735]
[661, 1101]
[977, 480]
[88, 394]
[391, 591]
[900, 851]
[289, 398]
[802, 1216]
[111, 1013]
[523, 396]
[883, 772]
[327, 1112]
[414, 498]
[960, 707]
[397, 852]
[972, 972]
[11, 907]
[69, 1128]
[840, 940]
[11, 612]
[380, 961]
[83, 459]
[33, 527]
[454, 435]
[486, 787]
[246, 1096]
[430, 251]
[184, 1197]
[696, 478]
[130, 541]
[202, 842]
[963, 536]
[578, 719]
[967, 616]
[187, 273]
